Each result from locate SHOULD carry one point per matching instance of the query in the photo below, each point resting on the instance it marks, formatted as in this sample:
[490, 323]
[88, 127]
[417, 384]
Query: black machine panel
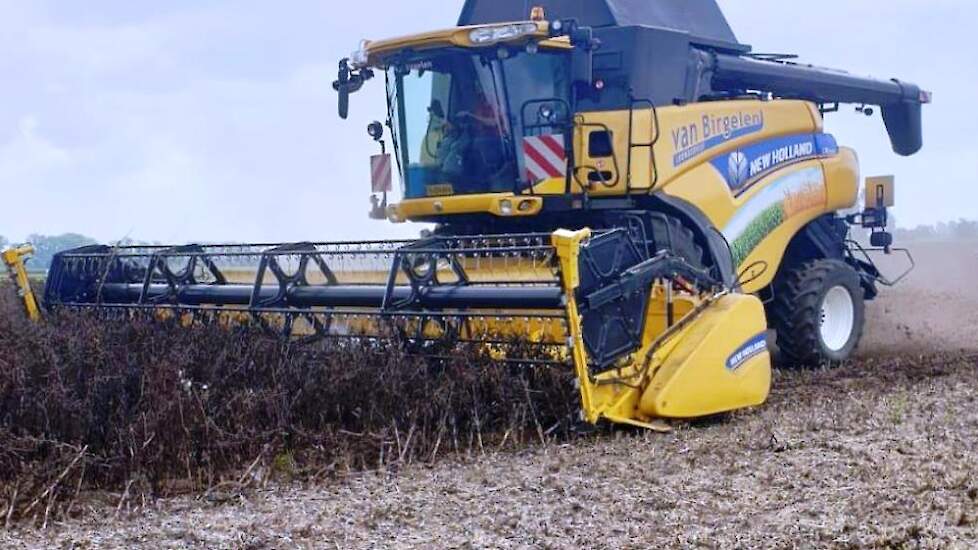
[678, 51]
[702, 19]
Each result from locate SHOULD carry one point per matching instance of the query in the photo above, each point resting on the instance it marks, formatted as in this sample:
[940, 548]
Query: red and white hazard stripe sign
[544, 157]
[380, 173]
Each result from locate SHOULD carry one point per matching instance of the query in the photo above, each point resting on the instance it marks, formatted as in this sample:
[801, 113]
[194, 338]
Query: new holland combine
[619, 186]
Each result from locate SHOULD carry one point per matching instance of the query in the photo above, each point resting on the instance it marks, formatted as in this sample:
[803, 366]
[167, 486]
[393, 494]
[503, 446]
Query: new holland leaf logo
[737, 168]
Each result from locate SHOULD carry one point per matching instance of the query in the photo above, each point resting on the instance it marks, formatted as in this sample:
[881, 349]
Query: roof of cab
[702, 19]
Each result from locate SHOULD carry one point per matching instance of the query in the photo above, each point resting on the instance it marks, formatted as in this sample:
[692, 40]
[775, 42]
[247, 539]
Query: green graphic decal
[758, 229]
[762, 214]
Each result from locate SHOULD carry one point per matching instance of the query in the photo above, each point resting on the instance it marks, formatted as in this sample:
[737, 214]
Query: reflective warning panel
[544, 157]
[380, 173]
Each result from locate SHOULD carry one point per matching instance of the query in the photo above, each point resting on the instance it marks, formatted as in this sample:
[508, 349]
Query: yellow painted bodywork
[682, 370]
[14, 260]
[676, 132]
[697, 182]
[462, 204]
[760, 267]
[693, 379]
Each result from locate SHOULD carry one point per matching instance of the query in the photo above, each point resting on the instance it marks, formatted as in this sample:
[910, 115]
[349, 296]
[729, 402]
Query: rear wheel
[818, 313]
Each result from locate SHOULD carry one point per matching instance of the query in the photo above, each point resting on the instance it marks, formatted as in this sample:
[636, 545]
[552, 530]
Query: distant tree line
[46, 246]
[964, 230]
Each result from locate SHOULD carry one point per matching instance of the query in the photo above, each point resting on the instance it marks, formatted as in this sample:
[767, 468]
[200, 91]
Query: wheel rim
[838, 318]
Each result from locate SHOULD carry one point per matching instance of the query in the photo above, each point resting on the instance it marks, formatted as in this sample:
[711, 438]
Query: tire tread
[795, 312]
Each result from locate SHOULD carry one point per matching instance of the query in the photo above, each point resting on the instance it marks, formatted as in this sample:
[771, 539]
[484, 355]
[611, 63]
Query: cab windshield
[458, 117]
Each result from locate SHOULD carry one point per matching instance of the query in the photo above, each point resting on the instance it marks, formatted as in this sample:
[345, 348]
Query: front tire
[818, 313]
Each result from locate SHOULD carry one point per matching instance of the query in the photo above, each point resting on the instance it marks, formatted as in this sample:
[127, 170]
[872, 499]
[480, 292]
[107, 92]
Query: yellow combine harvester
[617, 185]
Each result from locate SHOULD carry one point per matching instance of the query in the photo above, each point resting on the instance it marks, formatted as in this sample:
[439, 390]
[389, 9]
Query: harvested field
[878, 453]
[935, 308]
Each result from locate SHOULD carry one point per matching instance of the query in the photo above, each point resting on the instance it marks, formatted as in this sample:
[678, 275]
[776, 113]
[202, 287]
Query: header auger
[618, 186]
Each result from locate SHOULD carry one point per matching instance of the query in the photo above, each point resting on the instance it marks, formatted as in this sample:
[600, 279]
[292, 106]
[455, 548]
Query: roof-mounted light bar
[361, 57]
[485, 36]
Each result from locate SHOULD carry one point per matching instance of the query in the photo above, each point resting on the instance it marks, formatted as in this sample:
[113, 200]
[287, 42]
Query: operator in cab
[465, 146]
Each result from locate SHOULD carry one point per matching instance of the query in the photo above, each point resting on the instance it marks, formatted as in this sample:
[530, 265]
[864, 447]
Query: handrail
[655, 135]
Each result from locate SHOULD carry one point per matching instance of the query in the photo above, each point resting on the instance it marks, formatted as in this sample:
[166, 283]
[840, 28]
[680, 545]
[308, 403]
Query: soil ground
[878, 453]
[934, 308]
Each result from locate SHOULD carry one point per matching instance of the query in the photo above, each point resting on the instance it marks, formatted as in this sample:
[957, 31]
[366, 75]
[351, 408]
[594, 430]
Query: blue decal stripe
[710, 143]
[826, 144]
[754, 347]
[748, 164]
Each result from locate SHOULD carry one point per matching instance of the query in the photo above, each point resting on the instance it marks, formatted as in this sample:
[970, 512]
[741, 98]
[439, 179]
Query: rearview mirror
[343, 103]
[347, 82]
[342, 86]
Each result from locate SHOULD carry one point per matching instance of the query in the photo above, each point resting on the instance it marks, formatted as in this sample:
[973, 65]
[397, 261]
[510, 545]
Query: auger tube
[367, 296]
[900, 101]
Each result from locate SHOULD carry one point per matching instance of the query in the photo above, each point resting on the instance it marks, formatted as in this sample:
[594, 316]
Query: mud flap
[720, 363]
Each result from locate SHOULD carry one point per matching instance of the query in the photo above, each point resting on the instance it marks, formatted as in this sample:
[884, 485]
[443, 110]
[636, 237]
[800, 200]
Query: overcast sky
[209, 120]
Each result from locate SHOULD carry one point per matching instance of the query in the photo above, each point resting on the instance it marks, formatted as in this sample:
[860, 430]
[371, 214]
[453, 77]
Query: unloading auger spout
[629, 322]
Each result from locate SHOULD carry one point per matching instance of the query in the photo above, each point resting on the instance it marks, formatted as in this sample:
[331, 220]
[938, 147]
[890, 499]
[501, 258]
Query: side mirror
[342, 86]
[347, 82]
[343, 103]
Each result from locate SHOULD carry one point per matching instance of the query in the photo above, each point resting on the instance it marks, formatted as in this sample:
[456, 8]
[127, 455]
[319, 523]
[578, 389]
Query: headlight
[506, 207]
[490, 35]
[393, 215]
